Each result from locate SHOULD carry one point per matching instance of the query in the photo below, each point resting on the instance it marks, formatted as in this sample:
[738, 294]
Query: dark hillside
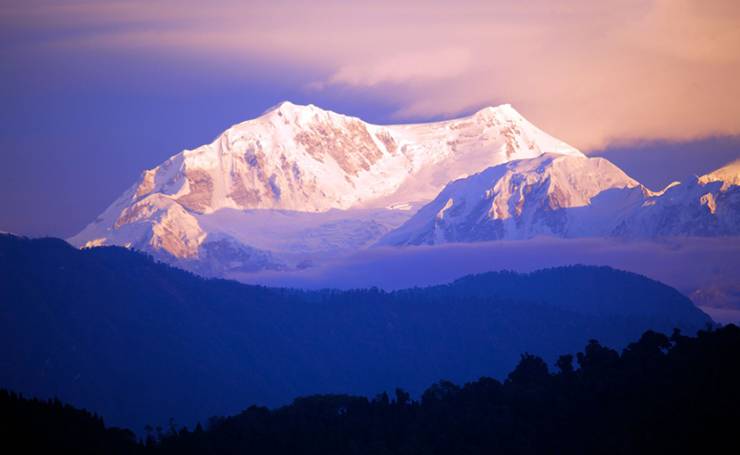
[139, 342]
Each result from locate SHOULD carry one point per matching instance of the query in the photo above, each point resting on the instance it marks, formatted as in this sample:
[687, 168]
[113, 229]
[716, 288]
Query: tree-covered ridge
[113, 331]
[661, 394]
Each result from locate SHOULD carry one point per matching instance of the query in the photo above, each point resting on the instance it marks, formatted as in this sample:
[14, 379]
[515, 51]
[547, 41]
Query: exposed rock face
[242, 195]
[329, 142]
[200, 191]
[147, 183]
[222, 255]
[170, 227]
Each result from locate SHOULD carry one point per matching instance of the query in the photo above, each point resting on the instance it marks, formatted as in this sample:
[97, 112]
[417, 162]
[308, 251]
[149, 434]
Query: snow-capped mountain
[302, 179]
[300, 185]
[703, 206]
[572, 196]
[516, 200]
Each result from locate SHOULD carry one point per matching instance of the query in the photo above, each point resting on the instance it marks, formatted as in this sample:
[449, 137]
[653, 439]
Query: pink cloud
[588, 72]
[428, 65]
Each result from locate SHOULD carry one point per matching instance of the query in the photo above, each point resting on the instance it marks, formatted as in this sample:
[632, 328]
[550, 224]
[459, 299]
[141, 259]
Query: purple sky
[80, 122]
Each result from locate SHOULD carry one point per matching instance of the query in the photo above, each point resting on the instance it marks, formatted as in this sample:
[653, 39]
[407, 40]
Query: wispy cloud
[589, 72]
[428, 65]
[678, 262]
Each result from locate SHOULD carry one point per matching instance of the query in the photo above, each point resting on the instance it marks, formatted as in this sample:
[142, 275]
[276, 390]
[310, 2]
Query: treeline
[661, 394]
[49, 426]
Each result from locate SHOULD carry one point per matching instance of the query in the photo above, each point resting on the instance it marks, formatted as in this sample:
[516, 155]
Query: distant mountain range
[572, 196]
[138, 341]
[300, 188]
[300, 183]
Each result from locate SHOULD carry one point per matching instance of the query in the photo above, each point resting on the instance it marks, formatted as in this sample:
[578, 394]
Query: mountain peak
[501, 110]
[301, 115]
[286, 107]
[728, 174]
[285, 104]
[516, 200]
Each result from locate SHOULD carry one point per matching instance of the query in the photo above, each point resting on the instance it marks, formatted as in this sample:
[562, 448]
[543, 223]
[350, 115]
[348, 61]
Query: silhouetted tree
[531, 370]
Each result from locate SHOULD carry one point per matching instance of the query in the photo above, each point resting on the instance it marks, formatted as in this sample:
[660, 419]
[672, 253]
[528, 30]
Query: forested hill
[140, 342]
[662, 394]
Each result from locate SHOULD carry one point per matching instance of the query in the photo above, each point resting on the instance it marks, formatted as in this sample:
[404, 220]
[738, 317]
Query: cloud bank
[688, 264]
[589, 72]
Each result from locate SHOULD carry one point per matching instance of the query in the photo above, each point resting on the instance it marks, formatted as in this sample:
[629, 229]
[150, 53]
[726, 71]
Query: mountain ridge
[300, 186]
[586, 197]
